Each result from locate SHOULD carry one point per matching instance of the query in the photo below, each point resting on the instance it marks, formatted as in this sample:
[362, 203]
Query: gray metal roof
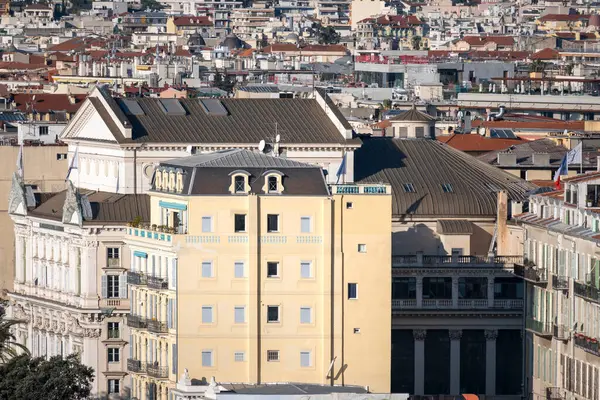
[446, 182]
[259, 89]
[413, 115]
[247, 121]
[237, 158]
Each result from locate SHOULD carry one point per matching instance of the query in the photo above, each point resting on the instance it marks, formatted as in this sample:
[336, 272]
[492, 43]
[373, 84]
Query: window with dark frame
[272, 269]
[272, 313]
[353, 291]
[112, 282]
[273, 186]
[240, 184]
[113, 252]
[43, 130]
[240, 222]
[113, 354]
[113, 386]
[272, 222]
[272, 355]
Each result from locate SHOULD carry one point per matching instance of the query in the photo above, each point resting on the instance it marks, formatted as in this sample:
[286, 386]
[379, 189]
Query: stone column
[164, 310]
[19, 277]
[490, 291]
[163, 355]
[455, 292]
[490, 361]
[419, 336]
[419, 287]
[455, 336]
[164, 271]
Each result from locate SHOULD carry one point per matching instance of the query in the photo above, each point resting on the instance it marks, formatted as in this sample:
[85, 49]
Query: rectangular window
[273, 223]
[272, 269]
[349, 205]
[404, 288]
[113, 355]
[207, 314]
[43, 130]
[305, 315]
[207, 358]
[472, 288]
[408, 187]
[207, 269]
[272, 313]
[362, 248]
[113, 386]
[240, 315]
[206, 224]
[353, 290]
[305, 269]
[447, 188]
[112, 286]
[437, 288]
[112, 253]
[305, 225]
[305, 359]
[272, 355]
[240, 222]
[272, 184]
[239, 356]
[238, 268]
[240, 184]
[113, 330]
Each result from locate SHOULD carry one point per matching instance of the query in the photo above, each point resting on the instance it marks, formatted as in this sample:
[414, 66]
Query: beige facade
[226, 287]
[46, 167]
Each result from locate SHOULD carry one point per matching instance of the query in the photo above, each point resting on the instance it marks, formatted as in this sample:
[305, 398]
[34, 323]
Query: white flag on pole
[575, 155]
[74, 163]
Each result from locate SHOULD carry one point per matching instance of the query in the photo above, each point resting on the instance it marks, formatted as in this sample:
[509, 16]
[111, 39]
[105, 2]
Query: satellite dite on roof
[262, 145]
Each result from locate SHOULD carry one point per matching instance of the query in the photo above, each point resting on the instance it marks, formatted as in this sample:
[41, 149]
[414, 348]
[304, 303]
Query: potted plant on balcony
[154, 227]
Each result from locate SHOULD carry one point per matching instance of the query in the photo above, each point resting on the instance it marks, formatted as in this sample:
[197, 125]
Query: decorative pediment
[17, 203]
[72, 212]
[88, 124]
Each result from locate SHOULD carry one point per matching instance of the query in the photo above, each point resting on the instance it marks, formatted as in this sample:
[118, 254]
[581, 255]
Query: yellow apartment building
[254, 270]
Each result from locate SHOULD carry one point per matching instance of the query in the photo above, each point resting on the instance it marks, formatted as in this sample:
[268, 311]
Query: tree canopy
[326, 34]
[8, 344]
[26, 378]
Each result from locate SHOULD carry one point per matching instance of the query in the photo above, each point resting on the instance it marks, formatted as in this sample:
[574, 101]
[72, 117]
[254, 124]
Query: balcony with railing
[135, 321]
[156, 371]
[531, 273]
[157, 326]
[421, 260]
[560, 332]
[155, 282]
[587, 291]
[560, 282]
[589, 345]
[540, 328]
[137, 278]
[555, 393]
[461, 304]
[134, 365]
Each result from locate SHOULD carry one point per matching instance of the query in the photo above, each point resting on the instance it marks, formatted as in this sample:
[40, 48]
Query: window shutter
[104, 286]
[130, 346]
[169, 317]
[122, 287]
[174, 313]
[174, 271]
[174, 354]
[240, 315]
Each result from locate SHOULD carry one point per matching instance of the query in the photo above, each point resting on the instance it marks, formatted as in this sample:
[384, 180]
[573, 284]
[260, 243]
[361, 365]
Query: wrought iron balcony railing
[560, 282]
[560, 332]
[135, 321]
[587, 291]
[134, 365]
[157, 326]
[157, 371]
[538, 327]
[531, 273]
[555, 393]
[589, 345]
[157, 283]
[137, 278]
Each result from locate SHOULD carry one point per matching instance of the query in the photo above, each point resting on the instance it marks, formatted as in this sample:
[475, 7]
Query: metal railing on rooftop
[157, 371]
[452, 260]
[531, 273]
[134, 365]
[587, 291]
[560, 282]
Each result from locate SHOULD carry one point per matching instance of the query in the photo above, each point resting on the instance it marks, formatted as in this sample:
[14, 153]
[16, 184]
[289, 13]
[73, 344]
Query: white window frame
[111, 355]
[239, 356]
[278, 275]
[309, 354]
[278, 315]
[235, 315]
[362, 248]
[310, 270]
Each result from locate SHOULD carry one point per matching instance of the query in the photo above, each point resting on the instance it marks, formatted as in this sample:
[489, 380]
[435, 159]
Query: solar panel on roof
[503, 133]
[131, 107]
[213, 107]
[172, 107]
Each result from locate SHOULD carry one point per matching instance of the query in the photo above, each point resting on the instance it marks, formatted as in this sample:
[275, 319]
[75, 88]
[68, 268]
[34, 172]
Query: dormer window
[240, 184]
[172, 180]
[273, 184]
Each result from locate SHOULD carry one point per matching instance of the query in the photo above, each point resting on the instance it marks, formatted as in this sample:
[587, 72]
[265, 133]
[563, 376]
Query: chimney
[541, 159]
[502, 247]
[507, 159]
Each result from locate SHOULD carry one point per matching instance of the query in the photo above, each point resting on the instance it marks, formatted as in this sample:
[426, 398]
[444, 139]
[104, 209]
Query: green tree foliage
[26, 378]
[416, 42]
[151, 5]
[8, 344]
[224, 83]
[325, 34]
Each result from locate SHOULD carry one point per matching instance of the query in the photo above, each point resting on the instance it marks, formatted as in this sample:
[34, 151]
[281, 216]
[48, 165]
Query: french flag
[562, 170]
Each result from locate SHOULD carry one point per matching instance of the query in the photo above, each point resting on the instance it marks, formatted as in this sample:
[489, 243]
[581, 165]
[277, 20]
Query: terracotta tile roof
[474, 142]
[546, 54]
[400, 21]
[246, 53]
[192, 21]
[542, 183]
[563, 17]
[78, 44]
[554, 124]
[289, 47]
[45, 102]
[21, 66]
[482, 40]
[181, 52]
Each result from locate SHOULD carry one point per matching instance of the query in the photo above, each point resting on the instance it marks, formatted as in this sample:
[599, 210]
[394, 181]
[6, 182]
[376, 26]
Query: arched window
[273, 184]
[239, 184]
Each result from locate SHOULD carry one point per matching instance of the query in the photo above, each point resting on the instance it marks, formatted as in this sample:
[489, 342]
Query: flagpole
[581, 158]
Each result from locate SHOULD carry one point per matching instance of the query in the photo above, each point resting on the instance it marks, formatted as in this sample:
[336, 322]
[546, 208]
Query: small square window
[305, 315]
[353, 291]
[272, 355]
[206, 224]
[272, 313]
[207, 358]
[273, 223]
[239, 356]
[240, 315]
[112, 252]
[356, 330]
[305, 270]
[273, 184]
[447, 188]
[272, 269]
[207, 269]
[240, 184]
[305, 359]
[207, 315]
[362, 248]
[240, 222]
[408, 187]
[113, 355]
[43, 130]
[61, 156]
[239, 269]
[305, 225]
[349, 205]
